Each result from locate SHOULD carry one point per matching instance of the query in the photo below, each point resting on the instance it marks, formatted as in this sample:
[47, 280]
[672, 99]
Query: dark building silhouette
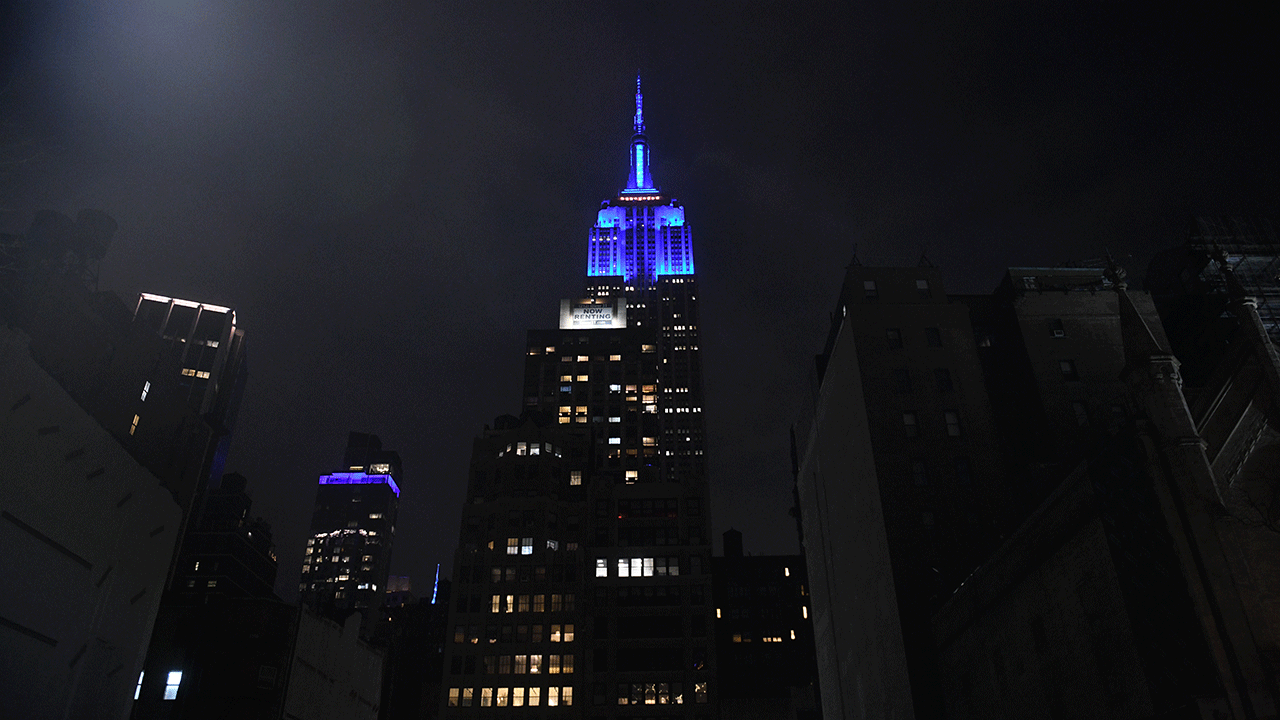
[117, 418]
[764, 637]
[348, 556]
[582, 580]
[1121, 562]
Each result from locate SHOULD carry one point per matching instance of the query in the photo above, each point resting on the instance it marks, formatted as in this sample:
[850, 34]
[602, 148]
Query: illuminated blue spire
[639, 108]
[638, 178]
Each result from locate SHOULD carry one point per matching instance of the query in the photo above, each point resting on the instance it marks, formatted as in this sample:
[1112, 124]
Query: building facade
[585, 551]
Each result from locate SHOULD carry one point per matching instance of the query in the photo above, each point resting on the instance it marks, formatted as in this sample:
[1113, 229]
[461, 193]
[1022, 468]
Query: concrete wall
[87, 536]
[334, 675]
[862, 667]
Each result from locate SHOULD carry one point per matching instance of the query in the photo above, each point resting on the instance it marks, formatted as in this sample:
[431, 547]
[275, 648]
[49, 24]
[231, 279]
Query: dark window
[922, 287]
[909, 425]
[919, 474]
[943, 376]
[894, 336]
[933, 337]
[902, 381]
[1082, 414]
[953, 422]
[869, 289]
[1068, 368]
[1056, 329]
[964, 477]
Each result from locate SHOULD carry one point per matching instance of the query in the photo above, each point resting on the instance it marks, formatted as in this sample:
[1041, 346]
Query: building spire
[638, 178]
[639, 119]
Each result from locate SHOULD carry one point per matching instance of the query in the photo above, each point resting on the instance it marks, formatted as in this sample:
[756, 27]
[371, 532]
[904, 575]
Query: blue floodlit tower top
[640, 235]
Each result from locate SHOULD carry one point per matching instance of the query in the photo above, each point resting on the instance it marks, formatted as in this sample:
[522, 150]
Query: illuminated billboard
[593, 313]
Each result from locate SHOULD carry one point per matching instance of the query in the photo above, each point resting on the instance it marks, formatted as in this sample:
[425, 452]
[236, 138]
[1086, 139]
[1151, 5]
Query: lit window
[513, 546]
[615, 358]
[793, 634]
[535, 696]
[374, 516]
[566, 378]
[700, 692]
[214, 583]
[133, 428]
[486, 697]
[517, 697]
[522, 664]
[583, 378]
[632, 476]
[553, 696]
[146, 388]
[615, 418]
[567, 634]
[495, 603]
[602, 567]
[575, 477]
[138, 690]
[583, 358]
[453, 697]
[467, 694]
[171, 684]
[535, 667]
[522, 603]
[539, 603]
[612, 440]
[804, 611]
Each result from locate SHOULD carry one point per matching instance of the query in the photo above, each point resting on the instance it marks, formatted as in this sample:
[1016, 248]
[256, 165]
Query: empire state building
[582, 576]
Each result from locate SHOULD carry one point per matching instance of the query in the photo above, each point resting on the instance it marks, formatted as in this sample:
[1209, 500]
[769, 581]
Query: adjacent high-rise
[348, 556]
[582, 579]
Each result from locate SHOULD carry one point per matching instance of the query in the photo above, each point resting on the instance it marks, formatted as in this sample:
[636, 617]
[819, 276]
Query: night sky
[391, 196]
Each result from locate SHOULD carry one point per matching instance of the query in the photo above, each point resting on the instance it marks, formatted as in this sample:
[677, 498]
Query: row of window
[640, 567]
[871, 292]
[511, 633]
[658, 693]
[510, 697]
[528, 664]
[530, 448]
[529, 603]
[911, 423]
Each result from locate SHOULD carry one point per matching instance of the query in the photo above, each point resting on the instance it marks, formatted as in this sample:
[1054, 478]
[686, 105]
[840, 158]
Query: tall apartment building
[348, 556]
[585, 551]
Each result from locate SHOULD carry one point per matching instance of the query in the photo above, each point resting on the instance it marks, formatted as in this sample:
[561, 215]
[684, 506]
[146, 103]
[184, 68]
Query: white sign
[593, 313]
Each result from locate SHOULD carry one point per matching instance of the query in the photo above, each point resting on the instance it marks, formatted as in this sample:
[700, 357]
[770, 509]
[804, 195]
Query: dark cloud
[391, 195]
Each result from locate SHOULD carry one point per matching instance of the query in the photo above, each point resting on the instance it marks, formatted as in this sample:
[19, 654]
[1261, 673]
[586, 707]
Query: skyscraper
[586, 520]
[348, 555]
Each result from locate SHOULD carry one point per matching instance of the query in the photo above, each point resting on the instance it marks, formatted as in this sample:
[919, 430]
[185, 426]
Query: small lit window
[575, 477]
[602, 567]
[615, 441]
[134, 428]
[615, 358]
[513, 546]
[526, 546]
[375, 516]
[138, 689]
[146, 388]
[171, 684]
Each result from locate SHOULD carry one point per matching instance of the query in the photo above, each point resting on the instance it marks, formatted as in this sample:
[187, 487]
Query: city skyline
[380, 215]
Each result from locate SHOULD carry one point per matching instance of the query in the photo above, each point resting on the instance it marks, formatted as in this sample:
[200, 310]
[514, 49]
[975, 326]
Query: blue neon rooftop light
[359, 478]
